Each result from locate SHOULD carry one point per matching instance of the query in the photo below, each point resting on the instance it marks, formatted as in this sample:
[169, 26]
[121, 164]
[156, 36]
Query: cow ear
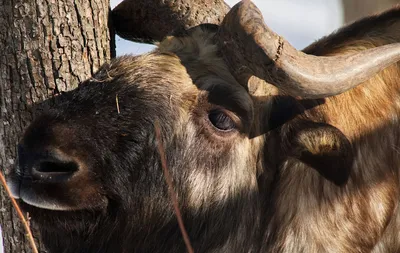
[324, 148]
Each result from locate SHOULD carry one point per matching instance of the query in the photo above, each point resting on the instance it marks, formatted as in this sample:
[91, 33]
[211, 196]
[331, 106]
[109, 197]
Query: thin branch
[171, 191]
[117, 103]
[19, 212]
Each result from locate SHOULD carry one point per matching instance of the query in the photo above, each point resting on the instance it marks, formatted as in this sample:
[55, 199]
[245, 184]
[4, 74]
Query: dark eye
[221, 120]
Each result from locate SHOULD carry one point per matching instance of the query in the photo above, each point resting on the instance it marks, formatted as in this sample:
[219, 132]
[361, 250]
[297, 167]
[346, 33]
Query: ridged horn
[250, 47]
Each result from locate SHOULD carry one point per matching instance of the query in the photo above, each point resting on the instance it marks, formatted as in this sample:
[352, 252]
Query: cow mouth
[70, 195]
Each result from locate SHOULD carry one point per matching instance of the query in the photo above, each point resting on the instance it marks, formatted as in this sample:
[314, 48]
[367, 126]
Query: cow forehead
[180, 70]
[150, 71]
[198, 52]
[180, 64]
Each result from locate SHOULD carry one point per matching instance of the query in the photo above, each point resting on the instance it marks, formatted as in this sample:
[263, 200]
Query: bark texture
[356, 9]
[46, 47]
[151, 20]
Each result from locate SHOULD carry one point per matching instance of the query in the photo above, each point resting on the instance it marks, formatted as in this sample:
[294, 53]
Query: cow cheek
[222, 177]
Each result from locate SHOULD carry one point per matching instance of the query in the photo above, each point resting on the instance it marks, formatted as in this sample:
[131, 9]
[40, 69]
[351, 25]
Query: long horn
[251, 48]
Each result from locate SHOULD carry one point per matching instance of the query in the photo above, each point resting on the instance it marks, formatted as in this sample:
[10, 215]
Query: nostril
[54, 171]
[57, 167]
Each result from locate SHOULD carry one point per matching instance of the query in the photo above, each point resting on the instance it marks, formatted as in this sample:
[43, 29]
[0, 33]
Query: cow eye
[221, 120]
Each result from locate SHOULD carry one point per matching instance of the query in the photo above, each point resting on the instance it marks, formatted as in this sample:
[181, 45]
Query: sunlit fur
[312, 215]
[295, 175]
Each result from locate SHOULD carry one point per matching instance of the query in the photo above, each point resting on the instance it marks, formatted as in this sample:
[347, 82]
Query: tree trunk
[46, 47]
[356, 9]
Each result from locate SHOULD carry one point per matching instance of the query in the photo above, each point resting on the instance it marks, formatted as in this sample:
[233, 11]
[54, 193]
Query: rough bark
[46, 47]
[150, 20]
[356, 9]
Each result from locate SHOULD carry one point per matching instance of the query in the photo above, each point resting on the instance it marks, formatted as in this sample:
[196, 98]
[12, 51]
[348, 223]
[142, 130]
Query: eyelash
[221, 121]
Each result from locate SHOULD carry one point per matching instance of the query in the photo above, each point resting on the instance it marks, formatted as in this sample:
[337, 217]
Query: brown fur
[293, 176]
[362, 216]
[311, 215]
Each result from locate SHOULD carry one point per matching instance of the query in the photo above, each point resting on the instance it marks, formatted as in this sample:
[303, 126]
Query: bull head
[90, 176]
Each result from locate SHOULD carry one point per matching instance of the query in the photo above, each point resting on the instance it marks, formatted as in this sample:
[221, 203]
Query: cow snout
[51, 168]
[48, 177]
[49, 165]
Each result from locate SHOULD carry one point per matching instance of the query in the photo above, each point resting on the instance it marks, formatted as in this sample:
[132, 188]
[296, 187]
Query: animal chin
[31, 199]
[27, 194]
[48, 197]
[62, 201]
[41, 203]
[13, 184]
[30, 196]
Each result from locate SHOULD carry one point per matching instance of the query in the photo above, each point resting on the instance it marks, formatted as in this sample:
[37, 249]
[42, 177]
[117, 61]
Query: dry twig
[116, 101]
[171, 191]
[21, 216]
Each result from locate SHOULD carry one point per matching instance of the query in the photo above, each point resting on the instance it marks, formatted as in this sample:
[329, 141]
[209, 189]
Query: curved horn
[250, 47]
[151, 20]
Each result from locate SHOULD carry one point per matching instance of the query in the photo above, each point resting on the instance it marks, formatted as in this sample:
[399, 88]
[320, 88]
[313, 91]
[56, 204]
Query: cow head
[89, 168]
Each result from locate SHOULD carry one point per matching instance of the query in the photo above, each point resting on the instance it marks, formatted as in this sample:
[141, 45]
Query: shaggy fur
[292, 176]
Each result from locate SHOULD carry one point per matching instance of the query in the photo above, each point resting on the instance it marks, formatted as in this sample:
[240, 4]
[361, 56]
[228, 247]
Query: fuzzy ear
[323, 147]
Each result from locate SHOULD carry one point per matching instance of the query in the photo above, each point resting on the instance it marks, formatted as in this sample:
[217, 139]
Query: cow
[270, 149]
